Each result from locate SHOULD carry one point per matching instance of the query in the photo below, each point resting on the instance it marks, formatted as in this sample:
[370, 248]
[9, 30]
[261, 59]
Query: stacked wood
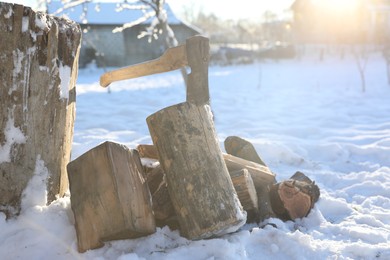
[110, 198]
[253, 195]
[198, 181]
[262, 178]
[295, 197]
[39, 62]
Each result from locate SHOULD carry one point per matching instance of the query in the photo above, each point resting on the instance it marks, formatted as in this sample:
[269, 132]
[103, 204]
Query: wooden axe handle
[172, 59]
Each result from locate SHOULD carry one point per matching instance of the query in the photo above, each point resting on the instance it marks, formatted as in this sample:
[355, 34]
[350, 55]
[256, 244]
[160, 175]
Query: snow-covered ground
[301, 115]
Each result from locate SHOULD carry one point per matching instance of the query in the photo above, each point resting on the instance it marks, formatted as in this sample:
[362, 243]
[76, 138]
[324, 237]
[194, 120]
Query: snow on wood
[39, 57]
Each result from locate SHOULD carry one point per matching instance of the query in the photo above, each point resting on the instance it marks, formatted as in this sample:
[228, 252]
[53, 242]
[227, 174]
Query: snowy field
[301, 115]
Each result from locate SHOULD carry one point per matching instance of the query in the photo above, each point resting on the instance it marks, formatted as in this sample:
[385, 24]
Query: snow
[8, 15]
[305, 115]
[13, 135]
[41, 22]
[25, 23]
[65, 73]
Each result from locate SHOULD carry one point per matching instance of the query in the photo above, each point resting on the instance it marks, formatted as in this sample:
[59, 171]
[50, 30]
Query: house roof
[108, 13]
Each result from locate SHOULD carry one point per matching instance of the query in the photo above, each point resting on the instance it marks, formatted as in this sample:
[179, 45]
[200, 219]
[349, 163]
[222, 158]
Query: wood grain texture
[110, 198]
[172, 59]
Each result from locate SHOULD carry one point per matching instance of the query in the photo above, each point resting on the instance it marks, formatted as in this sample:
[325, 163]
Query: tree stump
[199, 185]
[39, 62]
[110, 198]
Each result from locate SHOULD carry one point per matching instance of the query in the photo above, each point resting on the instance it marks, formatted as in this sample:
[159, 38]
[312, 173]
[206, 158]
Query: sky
[243, 9]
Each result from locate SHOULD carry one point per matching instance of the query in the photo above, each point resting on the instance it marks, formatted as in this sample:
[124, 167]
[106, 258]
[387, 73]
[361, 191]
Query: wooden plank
[110, 198]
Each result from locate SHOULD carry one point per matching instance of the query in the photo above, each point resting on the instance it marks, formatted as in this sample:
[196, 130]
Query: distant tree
[361, 53]
[386, 55]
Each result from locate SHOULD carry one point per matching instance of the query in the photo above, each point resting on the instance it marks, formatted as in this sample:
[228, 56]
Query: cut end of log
[294, 198]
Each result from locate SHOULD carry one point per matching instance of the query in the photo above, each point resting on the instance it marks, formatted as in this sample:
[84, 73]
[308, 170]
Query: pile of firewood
[121, 193]
[183, 180]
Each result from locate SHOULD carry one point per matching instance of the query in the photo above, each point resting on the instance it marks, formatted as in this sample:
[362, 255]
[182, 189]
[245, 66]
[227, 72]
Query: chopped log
[242, 148]
[246, 191]
[260, 174]
[154, 178]
[162, 205]
[110, 198]
[243, 184]
[294, 198]
[262, 178]
[198, 181]
[39, 62]
[148, 151]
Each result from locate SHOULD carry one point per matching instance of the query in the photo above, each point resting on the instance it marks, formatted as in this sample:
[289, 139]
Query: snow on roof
[108, 13]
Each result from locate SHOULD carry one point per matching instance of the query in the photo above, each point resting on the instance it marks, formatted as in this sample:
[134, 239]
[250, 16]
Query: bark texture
[39, 63]
[198, 182]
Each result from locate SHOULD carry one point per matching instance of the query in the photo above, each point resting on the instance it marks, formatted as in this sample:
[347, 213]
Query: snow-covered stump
[109, 195]
[39, 62]
[199, 184]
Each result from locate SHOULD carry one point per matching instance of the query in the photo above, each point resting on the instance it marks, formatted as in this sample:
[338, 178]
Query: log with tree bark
[294, 198]
[39, 62]
[242, 173]
[199, 185]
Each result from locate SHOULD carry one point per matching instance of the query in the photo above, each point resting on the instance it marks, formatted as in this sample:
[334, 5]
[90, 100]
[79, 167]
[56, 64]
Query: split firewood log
[242, 148]
[109, 196]
[261, 178]
[295, 197]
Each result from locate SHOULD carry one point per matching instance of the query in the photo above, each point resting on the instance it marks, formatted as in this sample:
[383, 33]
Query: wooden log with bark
[110, 198]
[162, 204]
[198, 181]
[39, 62]
[199, 185]
[242, 148]
[295, 197]
[260, 175]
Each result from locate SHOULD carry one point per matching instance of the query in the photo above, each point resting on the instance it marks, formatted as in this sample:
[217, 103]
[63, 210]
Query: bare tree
[386, 55]
[360, 54]
[155, 9]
